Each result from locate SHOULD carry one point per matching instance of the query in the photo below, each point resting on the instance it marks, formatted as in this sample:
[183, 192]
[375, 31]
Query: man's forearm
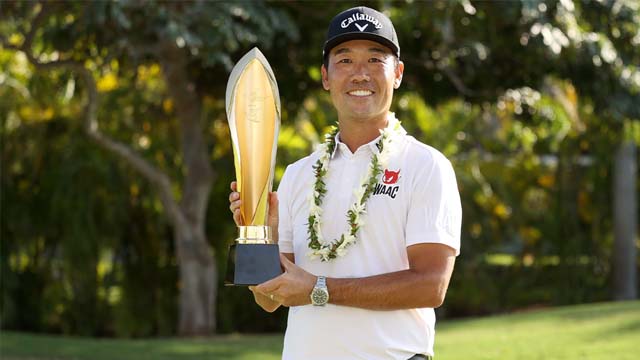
[424, 284]
[405, 289]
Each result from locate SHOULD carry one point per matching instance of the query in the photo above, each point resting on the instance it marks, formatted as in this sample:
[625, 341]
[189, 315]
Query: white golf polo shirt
[416, 201]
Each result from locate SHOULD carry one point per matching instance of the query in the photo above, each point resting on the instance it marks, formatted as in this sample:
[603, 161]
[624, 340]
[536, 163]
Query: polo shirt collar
[372, 145]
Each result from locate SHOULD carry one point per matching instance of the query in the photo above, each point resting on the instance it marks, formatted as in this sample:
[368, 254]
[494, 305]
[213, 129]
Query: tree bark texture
[625, 215]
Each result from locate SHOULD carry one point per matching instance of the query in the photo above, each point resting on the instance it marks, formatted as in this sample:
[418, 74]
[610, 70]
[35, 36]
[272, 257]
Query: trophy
[253, 112]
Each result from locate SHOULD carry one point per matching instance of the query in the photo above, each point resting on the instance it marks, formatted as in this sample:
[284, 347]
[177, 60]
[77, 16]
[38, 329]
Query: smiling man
[369, 224]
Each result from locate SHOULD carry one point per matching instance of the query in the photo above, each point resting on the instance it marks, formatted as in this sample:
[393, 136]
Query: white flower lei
[319, 248]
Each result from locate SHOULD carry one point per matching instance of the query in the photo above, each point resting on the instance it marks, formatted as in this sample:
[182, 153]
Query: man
[369, 224]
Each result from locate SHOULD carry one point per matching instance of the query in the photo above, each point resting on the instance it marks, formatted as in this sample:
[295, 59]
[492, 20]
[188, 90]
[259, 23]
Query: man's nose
[360, 73]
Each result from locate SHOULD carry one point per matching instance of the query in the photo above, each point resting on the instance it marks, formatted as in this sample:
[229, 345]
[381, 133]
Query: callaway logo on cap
[361, 23]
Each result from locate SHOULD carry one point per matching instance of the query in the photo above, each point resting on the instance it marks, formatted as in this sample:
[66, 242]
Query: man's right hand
[272, 216]
[234, 201]
[267, 303]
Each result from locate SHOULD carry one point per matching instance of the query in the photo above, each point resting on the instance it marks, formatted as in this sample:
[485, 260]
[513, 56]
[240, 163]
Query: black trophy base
[252, 264]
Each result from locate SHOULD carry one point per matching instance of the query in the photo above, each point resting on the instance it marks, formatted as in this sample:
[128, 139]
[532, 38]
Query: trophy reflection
[253, 112]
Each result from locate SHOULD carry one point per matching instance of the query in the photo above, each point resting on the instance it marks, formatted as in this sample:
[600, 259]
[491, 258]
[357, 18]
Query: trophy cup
[253, 112]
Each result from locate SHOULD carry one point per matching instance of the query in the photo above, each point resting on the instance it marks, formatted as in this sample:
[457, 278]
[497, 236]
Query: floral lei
[327, 251]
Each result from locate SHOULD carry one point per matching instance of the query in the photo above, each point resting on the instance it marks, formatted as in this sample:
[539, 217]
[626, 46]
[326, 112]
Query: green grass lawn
[596, 331]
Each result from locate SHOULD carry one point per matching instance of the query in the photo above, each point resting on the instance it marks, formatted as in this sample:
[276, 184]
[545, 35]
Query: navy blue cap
[361, 23]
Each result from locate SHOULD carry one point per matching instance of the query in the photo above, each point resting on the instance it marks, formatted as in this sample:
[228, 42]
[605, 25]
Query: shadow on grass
[626, 328]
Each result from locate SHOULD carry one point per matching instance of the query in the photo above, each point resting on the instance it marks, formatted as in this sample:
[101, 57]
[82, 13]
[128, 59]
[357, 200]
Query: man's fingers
[270, 286]
[234, 205]
[235, 209]
[237, 217]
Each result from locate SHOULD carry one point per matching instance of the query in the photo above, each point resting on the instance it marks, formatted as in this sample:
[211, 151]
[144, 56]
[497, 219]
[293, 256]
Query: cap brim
[356, 35]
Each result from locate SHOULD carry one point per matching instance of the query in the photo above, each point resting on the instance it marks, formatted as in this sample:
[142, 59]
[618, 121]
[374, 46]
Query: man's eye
[375, 60]
[344, 61]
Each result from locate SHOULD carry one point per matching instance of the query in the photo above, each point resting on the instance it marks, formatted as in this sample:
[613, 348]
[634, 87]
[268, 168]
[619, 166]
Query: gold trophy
[253, 112]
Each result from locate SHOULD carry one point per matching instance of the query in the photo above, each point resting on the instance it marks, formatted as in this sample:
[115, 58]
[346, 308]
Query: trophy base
[252, 264]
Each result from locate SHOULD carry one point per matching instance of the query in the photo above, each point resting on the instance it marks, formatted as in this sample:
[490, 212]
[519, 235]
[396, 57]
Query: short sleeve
[285, 226]
[435, 213]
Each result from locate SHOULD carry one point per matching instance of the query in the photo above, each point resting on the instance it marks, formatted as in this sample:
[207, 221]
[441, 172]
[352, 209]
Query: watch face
[319, 296]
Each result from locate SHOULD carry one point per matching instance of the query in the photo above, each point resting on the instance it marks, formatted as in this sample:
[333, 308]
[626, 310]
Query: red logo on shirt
[390, 177]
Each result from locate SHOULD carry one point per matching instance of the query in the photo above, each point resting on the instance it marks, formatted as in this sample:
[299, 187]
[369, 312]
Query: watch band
[320, 293]
[322, 282]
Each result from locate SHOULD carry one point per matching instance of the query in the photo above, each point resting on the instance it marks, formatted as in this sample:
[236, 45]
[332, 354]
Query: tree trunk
[198, 269]
[198, 282]
[625, 222]
[569, 249]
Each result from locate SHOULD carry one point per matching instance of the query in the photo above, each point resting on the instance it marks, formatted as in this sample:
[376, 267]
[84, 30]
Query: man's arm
[424, 284]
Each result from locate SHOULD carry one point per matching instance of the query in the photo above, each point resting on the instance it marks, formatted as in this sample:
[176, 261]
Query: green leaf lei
[327, 251]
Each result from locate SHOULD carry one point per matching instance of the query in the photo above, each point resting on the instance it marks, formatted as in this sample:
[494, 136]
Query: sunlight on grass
[602, 331]
[595, 331]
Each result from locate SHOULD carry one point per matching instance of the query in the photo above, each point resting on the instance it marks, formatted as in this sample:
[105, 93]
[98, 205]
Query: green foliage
[523, 163]
[527, 99]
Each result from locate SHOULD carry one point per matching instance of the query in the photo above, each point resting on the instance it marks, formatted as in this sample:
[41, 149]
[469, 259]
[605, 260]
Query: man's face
[361, 77]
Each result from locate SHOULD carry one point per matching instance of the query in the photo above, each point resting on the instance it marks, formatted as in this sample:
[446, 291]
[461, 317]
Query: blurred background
[116, 157]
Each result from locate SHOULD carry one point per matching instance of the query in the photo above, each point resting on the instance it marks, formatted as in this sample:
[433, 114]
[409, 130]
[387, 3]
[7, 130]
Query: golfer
[369, 223]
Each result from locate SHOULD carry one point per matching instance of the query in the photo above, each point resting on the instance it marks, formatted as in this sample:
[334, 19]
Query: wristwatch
[320, 293]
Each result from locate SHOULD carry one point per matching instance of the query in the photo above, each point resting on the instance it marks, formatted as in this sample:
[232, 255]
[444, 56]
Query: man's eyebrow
[346, 50]
[342, 51]
[378, 50]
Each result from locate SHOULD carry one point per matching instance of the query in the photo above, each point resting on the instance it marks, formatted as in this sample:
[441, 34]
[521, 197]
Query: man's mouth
[360, 92]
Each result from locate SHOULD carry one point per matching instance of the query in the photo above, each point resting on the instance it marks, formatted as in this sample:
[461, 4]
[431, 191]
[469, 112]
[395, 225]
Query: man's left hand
[292, 288]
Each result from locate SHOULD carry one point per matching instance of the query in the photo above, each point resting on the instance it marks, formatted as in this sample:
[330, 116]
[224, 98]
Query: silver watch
[320, 293]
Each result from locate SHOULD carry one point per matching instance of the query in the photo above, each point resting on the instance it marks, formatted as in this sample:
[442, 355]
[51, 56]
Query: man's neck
[357, 132]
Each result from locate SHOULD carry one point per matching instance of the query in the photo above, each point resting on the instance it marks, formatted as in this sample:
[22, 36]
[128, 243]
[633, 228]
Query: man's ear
[399, 72]
[325, 77]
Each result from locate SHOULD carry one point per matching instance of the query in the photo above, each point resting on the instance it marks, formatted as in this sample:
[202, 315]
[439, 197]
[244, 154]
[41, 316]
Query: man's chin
[363, 116]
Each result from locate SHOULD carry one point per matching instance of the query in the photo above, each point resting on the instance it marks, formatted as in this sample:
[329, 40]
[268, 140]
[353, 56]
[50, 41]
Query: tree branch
[35, 24]
[448, 37]
[457, 82]
[159, 179]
